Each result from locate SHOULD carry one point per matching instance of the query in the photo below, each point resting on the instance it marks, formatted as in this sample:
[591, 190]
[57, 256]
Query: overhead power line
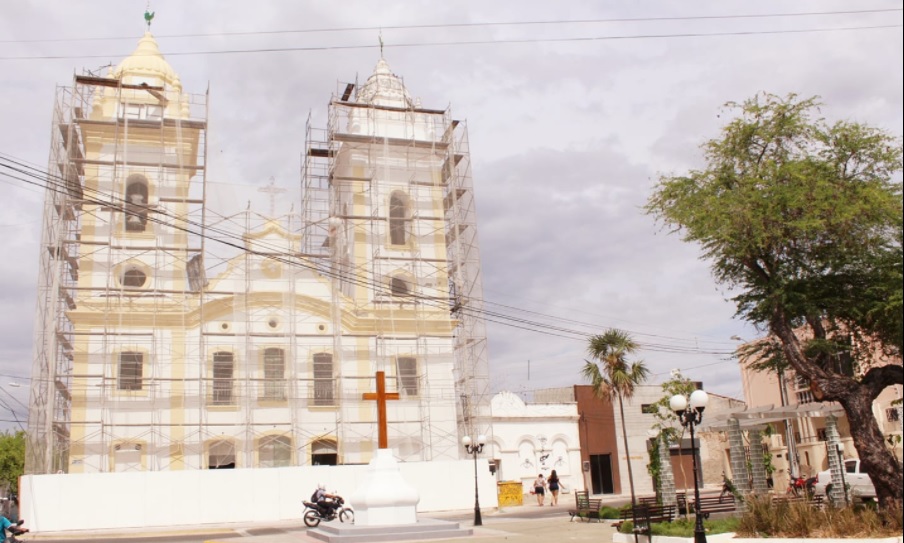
[465, 42]
[38, 177]
[547, 22]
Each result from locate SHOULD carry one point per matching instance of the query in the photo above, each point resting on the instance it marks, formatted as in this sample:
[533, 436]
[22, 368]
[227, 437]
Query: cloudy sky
[574, 113]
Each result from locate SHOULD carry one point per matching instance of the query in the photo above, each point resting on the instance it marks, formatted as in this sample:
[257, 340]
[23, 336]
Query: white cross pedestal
[385, 498]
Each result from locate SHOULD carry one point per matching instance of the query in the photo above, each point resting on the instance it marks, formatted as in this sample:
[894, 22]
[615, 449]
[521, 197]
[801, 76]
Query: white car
[856, 480]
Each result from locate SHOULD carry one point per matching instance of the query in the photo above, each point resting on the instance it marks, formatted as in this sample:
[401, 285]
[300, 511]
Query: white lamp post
[690, 418]
[474, 449]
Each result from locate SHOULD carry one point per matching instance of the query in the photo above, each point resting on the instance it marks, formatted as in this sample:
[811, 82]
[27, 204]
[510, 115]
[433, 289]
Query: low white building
[533, 438]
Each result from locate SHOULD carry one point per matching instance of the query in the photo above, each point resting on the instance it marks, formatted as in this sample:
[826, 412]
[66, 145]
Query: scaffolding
[171, 336]
[351, 171]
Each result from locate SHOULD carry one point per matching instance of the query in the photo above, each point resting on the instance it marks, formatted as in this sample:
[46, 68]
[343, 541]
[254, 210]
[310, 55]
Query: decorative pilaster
[833, 445]
[758, 467]
[666, 477]
[739, 472]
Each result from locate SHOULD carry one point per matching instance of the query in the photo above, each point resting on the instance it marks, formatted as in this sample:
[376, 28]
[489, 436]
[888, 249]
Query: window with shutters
[274, 375]
[323, 379]
[223, 377]
[407, 375]
[130, 370]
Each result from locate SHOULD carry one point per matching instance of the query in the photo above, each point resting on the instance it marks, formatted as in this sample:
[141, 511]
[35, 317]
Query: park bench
[681, 498]
[715, 504]
[645, 514]
[585, 506]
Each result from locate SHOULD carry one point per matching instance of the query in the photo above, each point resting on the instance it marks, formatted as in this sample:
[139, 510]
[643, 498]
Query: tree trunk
[856, 397]
[875, 458]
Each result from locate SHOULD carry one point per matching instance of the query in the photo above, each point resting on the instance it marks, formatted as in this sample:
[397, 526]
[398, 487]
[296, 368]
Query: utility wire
[473, 25]
[471, 42]
[50, 181]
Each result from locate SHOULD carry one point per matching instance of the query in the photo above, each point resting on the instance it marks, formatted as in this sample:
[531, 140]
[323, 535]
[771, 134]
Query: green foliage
[804, 221]
[800, 217]
[12, 459]
[609, 512]
[613, 377]
[685, 527]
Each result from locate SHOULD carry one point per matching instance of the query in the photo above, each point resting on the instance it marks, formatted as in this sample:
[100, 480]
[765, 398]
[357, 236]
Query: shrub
[609, 512]
[800, 519]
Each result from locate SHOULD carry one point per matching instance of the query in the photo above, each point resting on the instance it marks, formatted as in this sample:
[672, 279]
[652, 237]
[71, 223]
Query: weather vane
[148, 15]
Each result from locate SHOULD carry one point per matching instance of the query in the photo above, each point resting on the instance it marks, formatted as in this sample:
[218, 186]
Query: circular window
[224, 326]
[321, 327]
[273, 322]
[134, 278]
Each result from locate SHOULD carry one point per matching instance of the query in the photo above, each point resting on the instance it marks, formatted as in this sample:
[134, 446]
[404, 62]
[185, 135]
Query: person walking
[540, 489]
[553, 488]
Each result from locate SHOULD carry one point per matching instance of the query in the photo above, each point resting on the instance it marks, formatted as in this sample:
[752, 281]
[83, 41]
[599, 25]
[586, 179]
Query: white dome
[147, 62]
[384, 88]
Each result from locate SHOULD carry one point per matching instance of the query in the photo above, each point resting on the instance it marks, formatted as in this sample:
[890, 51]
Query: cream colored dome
[147, 62]
[384, 88]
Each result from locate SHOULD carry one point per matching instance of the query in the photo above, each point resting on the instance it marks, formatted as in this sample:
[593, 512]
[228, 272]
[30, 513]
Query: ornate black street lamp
[474, 450]
[690, 418]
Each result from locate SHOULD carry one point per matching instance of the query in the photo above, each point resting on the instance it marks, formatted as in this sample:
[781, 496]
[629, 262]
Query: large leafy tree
[12, 460]
[613, 377]
[803, 219]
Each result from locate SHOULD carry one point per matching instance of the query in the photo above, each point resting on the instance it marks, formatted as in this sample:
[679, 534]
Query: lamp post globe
[690, 418]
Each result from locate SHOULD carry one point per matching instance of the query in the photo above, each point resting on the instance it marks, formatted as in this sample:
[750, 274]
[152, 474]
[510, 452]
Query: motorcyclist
[326, 503]
[13, 528]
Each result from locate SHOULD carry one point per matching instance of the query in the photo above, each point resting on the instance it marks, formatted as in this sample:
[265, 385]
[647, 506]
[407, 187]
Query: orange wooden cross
[381, 396]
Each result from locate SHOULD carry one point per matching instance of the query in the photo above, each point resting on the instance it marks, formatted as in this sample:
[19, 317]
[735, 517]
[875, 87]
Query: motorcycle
[14, 530]
[313, 516]
[800, 487]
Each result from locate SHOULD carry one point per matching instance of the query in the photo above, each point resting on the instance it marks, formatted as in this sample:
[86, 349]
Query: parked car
[858, 481]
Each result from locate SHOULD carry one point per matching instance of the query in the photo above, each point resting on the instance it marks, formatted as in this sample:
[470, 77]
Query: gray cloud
[567, 140]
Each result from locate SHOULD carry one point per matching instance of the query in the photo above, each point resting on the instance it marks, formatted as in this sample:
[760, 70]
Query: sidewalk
[495, 529]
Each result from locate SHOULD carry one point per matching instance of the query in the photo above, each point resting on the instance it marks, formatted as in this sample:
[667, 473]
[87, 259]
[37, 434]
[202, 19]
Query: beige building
[762, 389]
[170, 336]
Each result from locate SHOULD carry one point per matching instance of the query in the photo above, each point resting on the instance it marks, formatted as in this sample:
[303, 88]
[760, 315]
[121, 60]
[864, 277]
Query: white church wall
[529, 439]
[102, 501]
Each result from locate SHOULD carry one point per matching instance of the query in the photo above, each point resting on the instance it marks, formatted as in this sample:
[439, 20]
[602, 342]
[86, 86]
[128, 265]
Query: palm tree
[612, 376]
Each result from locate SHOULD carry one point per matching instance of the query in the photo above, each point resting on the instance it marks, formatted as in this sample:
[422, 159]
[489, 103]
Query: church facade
[172, 337]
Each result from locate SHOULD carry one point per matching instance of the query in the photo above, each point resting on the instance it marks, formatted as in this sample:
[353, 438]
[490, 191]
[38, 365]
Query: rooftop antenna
[148, 15]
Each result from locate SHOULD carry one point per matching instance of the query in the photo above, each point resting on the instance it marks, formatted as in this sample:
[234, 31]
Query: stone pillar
[833, 444]
[666, 477]
[758, 467]
[740, 476]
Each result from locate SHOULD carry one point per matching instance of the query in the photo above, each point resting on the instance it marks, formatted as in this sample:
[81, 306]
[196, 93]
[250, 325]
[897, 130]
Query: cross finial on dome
[380, 37]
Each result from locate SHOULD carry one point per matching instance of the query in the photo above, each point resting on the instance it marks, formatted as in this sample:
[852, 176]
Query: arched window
[323, 379]
[398, 218]
[275, 452]
[133, 278]
[398, 287]
[136, 203]
[221, 455]
[324, 453]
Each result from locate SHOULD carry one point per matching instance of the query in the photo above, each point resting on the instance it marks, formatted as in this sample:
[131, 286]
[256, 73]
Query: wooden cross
[381, 396]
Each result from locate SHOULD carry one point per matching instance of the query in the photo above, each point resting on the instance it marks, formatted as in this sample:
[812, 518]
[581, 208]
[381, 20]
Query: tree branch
[879, 378]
